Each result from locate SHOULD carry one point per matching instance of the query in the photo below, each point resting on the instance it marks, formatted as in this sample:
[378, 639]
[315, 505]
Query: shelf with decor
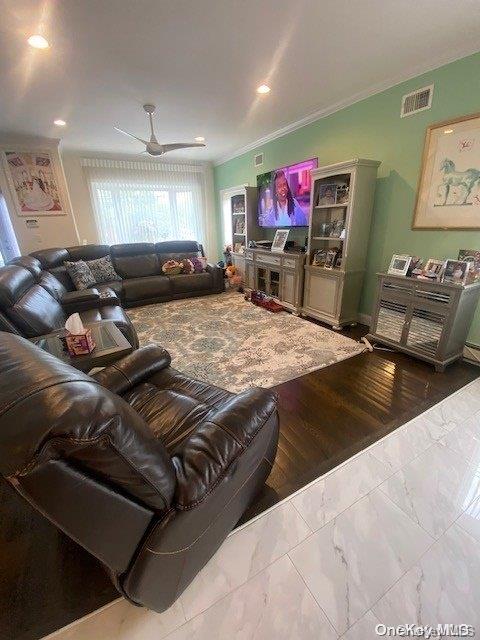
[329, 238]
[331, 206]
[243, 206]
[340, 215]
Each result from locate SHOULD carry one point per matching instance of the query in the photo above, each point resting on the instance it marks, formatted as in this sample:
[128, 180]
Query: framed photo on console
[448, 195]
[473, 257]
[399, 265]
[455, 271]
[434, 268]
[279, 240]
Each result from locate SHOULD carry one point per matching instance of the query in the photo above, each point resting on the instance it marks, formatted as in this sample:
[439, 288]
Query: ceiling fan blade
[130, 135]
[181, 145]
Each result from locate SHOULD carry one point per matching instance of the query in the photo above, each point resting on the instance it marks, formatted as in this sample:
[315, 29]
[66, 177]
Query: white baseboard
[471, 353]
[364, 318]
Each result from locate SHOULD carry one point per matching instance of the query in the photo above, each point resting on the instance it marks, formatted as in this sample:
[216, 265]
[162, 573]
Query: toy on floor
[262, 300]
[234, 279]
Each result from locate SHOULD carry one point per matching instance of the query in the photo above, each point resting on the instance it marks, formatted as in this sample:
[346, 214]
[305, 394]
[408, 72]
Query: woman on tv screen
[285, 210]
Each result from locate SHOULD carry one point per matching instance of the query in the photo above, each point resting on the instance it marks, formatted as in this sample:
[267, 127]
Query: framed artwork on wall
[448, 195]
[33, 180]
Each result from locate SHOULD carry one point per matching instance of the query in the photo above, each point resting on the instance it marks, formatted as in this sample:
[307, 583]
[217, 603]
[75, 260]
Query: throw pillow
[103, 270]
[80, 273]
[199, 264]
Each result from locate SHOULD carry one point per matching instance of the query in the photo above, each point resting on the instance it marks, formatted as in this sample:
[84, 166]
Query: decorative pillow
[103, 270]
[80, 273]
[187, 266]
[199, 264]
[171, 268]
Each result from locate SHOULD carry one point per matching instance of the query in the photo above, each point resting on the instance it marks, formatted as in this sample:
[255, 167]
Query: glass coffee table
[111, 345]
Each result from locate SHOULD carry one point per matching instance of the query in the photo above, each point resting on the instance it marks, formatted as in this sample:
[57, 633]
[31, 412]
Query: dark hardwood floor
[47, 581]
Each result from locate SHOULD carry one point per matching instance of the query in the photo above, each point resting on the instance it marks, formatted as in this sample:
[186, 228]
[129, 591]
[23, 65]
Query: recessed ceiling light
[448, 131]
[263, 88]
[59, 123]
[38, 42]
[199, 139]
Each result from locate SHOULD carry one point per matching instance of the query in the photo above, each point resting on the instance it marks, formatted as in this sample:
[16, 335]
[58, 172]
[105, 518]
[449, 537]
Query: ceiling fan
[152, 146]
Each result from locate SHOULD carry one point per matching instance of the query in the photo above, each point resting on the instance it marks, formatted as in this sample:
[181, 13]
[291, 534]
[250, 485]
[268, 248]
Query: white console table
[279, 275]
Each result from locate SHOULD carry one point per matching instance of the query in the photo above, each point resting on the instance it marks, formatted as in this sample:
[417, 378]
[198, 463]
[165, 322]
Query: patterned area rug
[231, 343]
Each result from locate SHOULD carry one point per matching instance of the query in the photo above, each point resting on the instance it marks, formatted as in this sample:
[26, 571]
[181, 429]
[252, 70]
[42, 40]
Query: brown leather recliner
[147, 469]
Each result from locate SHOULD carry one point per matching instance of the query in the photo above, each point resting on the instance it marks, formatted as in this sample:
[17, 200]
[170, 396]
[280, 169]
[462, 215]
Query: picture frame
[399, 265]
[34, 180]
[473, 257]
[342, 194]
[331, 258]
[434, 268]
[455, 271]
[327, 194]
[279, 241]
[319, 258]
[448, 193]
[415, 266]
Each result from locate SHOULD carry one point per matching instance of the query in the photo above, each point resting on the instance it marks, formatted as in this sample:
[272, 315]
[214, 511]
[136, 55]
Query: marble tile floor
[390, 536]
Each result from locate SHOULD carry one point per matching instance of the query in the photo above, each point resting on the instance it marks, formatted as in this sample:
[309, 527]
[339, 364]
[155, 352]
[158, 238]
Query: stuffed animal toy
[172, 268]
[230, 271]
[234, 279]
[187, 266]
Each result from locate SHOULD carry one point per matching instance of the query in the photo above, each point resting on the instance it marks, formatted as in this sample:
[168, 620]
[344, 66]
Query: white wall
[52, 231]
[80, 195]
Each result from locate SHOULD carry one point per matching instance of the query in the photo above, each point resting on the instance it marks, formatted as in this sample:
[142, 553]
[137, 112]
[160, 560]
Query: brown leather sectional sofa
[147, 469]
[37, 294]
[140, 267]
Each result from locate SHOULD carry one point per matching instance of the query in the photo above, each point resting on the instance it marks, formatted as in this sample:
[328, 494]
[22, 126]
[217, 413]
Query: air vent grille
[258, 160]
[417, 101]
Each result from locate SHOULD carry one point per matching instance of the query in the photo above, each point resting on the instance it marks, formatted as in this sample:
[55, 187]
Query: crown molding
[418, 70]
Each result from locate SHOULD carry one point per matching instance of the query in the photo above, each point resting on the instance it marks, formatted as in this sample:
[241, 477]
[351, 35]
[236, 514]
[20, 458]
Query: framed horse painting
[448, 195]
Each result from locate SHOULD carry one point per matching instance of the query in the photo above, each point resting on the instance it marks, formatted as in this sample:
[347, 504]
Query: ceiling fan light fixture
[152, 146]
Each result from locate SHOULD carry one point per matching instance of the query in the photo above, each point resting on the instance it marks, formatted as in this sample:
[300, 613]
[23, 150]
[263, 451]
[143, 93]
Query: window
[147, 202]
[8, 242]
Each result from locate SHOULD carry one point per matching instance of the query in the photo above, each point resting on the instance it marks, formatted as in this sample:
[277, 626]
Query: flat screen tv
[284, 195]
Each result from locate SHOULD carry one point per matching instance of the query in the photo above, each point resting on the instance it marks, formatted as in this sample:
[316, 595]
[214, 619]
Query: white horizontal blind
[147, 201]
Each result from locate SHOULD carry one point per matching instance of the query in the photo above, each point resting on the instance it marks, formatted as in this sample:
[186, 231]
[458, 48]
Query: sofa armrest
[217, 274]
[133, 369]
[73, 301]
[214, 447]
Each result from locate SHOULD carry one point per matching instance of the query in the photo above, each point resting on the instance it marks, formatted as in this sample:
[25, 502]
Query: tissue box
[80, 345]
